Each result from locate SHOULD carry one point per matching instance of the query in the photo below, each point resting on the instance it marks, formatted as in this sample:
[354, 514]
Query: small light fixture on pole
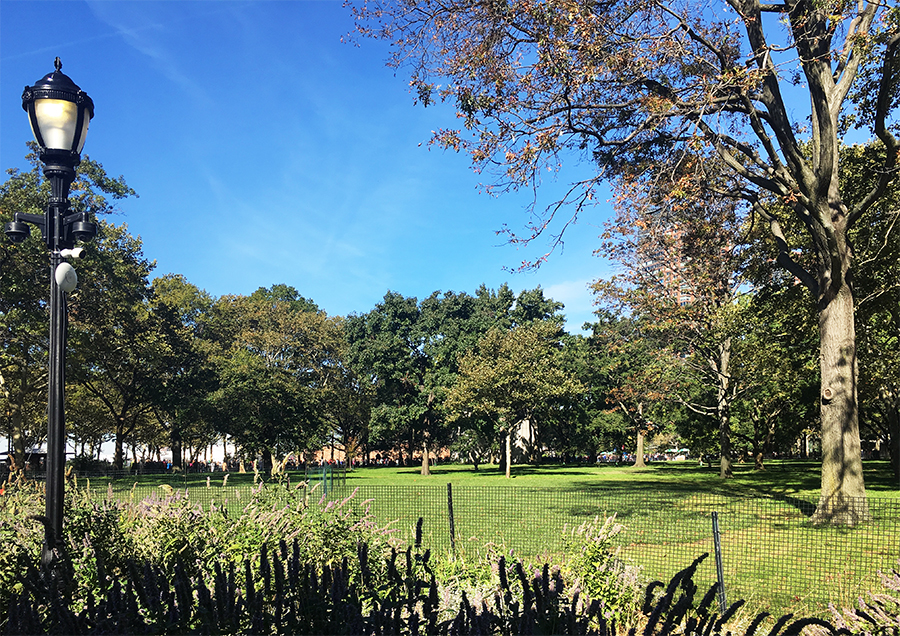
[59, 113]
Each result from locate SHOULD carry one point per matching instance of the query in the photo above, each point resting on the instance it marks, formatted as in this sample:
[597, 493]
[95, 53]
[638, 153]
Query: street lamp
[59, 113]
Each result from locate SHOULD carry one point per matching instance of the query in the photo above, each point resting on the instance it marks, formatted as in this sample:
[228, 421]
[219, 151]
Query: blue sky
[264, 150]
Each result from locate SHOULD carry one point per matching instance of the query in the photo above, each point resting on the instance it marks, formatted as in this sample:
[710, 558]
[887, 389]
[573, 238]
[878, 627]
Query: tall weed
[594, 566]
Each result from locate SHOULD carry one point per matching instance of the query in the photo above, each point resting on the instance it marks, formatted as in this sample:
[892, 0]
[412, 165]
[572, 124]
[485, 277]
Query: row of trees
[700, 340]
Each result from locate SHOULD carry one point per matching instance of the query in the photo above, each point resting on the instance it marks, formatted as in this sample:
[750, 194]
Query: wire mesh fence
[772, 554]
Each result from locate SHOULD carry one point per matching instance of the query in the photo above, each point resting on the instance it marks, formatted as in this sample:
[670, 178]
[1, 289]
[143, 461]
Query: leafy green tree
[184, 406]
[778, 372]
[661, 95]
[630, 366]
[24, 289]
[385, 347]
[408, 352]
[876, 240]
[511, 376]
[564, 425]
[347, 404]
[876, 248]
[275, 355]
[681, 275]
[282, 293]
[120, 345]
[475, 438]
[87, 423]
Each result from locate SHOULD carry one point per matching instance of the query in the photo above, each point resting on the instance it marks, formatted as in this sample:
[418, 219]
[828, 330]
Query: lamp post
[59, 113]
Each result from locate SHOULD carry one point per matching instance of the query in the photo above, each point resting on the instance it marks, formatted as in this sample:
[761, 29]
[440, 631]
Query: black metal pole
[60, 171]
[720, 571]
[56, 426]
[451, 517]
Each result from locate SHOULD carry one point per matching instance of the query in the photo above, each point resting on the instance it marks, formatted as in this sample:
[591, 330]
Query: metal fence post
[720, 573]
[450, 515]
[327, 479]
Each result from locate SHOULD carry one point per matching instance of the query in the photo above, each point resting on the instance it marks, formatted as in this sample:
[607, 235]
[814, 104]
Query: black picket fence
[771, 553]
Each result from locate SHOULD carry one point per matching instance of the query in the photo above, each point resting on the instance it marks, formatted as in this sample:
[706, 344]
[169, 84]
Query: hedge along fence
[771, 555]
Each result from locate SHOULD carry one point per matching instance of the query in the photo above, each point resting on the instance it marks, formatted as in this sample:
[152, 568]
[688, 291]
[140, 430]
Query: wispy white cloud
[135, 23]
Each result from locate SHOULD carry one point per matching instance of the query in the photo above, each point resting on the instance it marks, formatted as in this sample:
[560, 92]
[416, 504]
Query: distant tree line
[698, 341]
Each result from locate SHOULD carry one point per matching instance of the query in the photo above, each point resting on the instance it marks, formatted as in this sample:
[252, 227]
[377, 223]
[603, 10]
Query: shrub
[594, 566]
[166, 530]
[164, 565]
[329, 531]
[95, 541]
[473, 570]
[20, 536]
[89, 464]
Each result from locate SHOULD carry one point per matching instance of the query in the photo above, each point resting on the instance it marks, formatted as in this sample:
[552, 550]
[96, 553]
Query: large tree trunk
[176, 450]
[723, 408]
[18, 436]
[843, 497]
[17, 431]
[119, 457]
[894, 435]
[508, 453]
[426, 469]
[639, 455]
[889, 409]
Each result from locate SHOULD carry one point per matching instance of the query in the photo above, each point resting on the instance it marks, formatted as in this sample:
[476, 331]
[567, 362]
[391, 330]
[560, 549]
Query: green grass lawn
[771, 555]
[785, 477]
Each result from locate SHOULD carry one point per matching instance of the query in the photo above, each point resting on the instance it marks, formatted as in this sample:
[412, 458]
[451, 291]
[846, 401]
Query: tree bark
[508, 453]
[119, 457]
[176, 451]
[843, 497]
[889, 410]
[894, 437]
[426, 469]
[18, 435]
[17, 416]
[723, 408]
[639, 455]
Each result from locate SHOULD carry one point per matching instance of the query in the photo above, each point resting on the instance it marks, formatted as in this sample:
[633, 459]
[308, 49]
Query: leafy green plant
[283, 594]
[95, 542]
[93, 539]
[328, 531]
[167, 530]
[19, 535]
[595, 567]
[472, 570]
